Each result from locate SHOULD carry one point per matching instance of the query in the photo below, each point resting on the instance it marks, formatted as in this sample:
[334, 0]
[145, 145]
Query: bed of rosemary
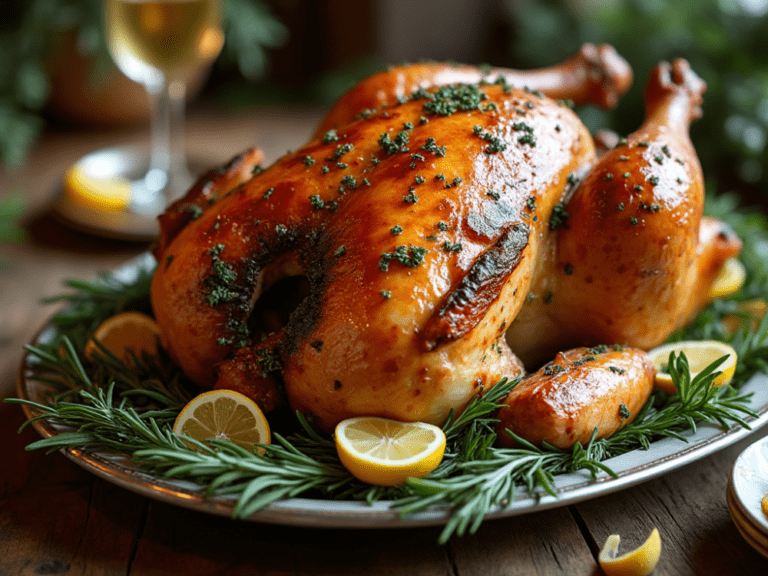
[132, 409]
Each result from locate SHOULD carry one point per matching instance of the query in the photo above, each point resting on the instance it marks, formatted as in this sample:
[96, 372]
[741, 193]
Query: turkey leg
[636, 259]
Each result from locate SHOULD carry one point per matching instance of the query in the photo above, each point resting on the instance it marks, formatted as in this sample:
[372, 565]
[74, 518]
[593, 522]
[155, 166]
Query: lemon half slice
[639, 562]
[386, 452]
[124, 333]
[730, 278]
[699, 355]
[224, 414]
[110, 194]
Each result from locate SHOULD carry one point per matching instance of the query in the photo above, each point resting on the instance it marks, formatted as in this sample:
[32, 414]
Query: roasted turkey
[446, 228]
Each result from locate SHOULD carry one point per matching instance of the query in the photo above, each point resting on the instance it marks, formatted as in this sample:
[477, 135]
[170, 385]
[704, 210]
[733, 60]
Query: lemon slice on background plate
[699, 355]
[224, 414]
[124, 333]
[386, 452]
[639, 562]
[110, 193]
[730, 278]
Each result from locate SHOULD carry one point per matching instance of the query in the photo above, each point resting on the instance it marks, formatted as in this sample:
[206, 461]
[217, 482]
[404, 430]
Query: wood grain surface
[55, 518]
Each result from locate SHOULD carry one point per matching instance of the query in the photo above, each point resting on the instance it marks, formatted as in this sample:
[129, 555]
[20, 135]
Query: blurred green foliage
[724, 40]
[11, 208]
[29, 28]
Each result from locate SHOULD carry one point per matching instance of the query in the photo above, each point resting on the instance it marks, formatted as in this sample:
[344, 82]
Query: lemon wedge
[104, 194]
[386, 452]
[699, 355]
[224, 414]
[639, 562]
[730, 278]
[124, 333]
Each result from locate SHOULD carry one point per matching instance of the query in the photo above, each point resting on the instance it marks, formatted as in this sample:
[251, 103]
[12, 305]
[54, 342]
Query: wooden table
[56, 518]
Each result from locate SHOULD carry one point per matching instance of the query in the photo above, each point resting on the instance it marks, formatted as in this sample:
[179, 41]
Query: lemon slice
[639, 562]
[764, 505]
[386, 452]
[124, 333]
[699, 355]
[224, 414]
[109, 194]
[730, 278]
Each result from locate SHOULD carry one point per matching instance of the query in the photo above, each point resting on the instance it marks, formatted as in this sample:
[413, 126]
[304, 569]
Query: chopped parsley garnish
[317, 202]
[341, 149]
[195, 211]
[559, 216]
[617, 370]
[419, 179]
[450, 99]
[452, 246]
[654, 180]
[410, 256]
[396, 230]
[281, 229]
[349, 180]
[394, 146]
[269, 193]
[411, 197]
[599, 349]
[624, 411]
[633, 221]
[221, 277]
[330, 136]
[386, 294]
[552, 369]
[492, 194]
[494, 143]
[340, 251]
[309, 161]
[325, 169]
[431, 146]
[442, 226]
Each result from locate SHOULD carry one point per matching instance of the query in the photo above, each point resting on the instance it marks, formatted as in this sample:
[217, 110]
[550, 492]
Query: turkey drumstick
[636, 259]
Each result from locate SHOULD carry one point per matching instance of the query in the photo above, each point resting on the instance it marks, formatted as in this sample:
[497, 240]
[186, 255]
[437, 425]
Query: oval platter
[631, 468]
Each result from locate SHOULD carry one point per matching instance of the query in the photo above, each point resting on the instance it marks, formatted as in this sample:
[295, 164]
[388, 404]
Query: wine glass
[162, 44]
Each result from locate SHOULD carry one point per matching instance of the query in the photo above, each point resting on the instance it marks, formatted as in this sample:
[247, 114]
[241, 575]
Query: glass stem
[167, 157]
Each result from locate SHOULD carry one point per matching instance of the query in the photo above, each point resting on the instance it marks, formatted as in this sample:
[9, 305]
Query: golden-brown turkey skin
[636, 260]
[596, 74]
[410, 335]
[580, 390]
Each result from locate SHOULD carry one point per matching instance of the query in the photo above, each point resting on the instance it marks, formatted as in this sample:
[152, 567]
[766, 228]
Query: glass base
[111, 192]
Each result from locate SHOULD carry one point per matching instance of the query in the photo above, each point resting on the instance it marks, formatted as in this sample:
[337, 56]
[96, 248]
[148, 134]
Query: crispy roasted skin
[426, 232]
[417, 339]
[580, 393]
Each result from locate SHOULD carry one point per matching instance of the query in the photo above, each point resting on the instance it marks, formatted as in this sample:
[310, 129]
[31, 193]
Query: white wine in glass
[162, 44]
